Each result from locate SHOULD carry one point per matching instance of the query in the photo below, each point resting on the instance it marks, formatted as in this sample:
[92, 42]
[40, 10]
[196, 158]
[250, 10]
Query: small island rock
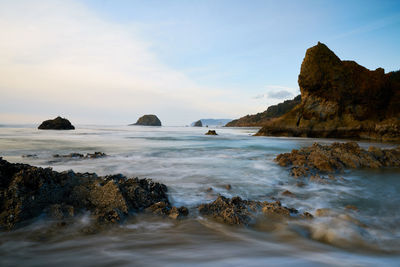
[56, 124]
[198, 124]
[148, 120]
[211, 132]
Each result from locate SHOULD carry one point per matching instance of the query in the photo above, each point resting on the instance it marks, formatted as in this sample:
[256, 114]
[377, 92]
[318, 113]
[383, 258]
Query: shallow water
[189, 162]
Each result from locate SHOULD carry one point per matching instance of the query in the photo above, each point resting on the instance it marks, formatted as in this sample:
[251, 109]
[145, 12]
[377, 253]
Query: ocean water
[189, 162]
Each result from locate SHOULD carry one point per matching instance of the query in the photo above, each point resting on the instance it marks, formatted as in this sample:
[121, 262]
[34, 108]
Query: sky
[111, 61]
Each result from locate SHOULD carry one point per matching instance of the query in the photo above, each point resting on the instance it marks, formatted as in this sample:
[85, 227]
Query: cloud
[280, 94]
[276, 92]
[58, 57]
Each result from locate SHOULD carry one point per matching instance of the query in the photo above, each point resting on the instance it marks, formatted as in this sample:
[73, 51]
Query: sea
[189, 163]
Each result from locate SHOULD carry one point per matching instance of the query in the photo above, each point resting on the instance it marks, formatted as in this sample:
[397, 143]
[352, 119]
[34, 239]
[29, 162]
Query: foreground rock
[148, 120]
[94, 155]
[211, 132]
[341, 99]
[198, 124]
[56, 124]
[27, 192]
[260, 119]
[237, 211]
[336, 157]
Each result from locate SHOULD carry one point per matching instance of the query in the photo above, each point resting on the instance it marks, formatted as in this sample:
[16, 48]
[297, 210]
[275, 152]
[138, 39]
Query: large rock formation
[27, 192]
[148, 120]
[262, 118]
[56, 124]
[341, 99]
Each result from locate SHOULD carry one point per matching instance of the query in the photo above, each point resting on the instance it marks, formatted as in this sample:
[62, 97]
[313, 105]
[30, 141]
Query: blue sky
[183, 60]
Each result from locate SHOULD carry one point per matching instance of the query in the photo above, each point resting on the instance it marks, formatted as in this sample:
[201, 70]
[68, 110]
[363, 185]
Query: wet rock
[336, 157]
[287, 193]
[29, 156]
[237, 211]
[324, 212]
[60, 211]
[56, 124]
[228, 187]
[94, 155]
[27, 192]
[351, 207]
[176, 213]
[163, 208]
[148, 120]
[307, 215]
[318, 179]
[211, 132]
[209, 189]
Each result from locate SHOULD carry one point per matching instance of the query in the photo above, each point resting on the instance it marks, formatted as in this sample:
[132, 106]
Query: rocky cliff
[341, 99]
[262, 118]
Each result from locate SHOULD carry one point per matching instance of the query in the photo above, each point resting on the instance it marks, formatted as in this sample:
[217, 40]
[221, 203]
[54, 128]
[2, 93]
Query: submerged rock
[56, 124]
[163, 208]
[211, 132]
[94, 155]
[336, 157]
[148, 120]
[237, 211]
[27, 192]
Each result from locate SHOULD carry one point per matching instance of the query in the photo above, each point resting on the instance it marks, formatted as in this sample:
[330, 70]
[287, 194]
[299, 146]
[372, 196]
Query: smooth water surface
[189, 163]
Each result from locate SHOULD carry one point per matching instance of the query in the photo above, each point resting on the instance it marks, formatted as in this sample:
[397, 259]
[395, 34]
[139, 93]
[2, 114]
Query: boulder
[148, 120]
[341, 99]
[211, 132]
[56, 124]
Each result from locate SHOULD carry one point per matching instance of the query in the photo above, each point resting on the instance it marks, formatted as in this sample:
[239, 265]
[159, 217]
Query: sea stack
[56, 124]
[198, 124]
[148, 120]
[341, 99]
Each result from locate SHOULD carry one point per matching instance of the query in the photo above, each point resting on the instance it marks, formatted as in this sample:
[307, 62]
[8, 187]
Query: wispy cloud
[57, 57]
[276, 92]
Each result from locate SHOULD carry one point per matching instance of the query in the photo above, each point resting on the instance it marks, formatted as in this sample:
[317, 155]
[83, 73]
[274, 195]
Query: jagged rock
[148, 120]
[238, 211]
[163, 208]
[27, 192]
[56, 124]
[198, 124]
[336, 157]
[341, 99]
[211, 132]
[262, 118]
